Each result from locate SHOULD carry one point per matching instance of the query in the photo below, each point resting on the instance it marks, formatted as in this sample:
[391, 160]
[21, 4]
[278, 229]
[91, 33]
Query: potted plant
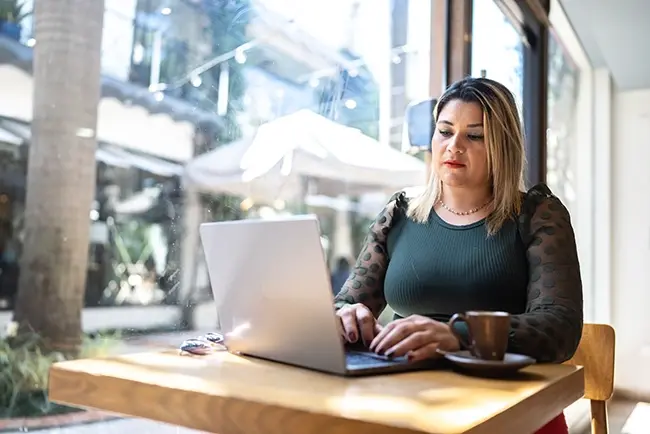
[12, 12]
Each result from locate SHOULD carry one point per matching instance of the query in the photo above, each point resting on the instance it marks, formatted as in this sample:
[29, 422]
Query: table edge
[220, 426]
[60, 372]
[565, 390]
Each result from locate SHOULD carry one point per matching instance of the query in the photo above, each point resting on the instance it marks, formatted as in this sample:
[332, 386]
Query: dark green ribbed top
[529, 268]
[437, 269]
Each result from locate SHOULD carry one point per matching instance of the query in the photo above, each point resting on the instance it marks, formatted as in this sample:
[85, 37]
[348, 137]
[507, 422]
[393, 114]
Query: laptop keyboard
[366, 359]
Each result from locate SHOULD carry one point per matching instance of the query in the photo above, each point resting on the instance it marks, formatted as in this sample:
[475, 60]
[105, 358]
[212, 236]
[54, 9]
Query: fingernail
[409, 357]
[352, 336]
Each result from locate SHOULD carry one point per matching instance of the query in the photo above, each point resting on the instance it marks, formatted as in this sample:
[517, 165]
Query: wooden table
[227, 394]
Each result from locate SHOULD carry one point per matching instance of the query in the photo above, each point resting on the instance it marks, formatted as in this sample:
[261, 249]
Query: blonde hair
[506, 156]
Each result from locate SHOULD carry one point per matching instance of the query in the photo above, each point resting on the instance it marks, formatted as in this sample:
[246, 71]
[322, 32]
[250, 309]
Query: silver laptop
[274, 300]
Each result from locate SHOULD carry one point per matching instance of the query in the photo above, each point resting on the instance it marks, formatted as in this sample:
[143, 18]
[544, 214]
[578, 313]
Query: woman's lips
[454, 164]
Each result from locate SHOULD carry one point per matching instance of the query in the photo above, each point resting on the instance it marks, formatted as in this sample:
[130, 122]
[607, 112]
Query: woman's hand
[417, 337]
[356, 321]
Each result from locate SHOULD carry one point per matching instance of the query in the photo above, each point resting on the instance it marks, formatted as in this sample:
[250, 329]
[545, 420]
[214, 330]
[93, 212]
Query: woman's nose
[455, 144]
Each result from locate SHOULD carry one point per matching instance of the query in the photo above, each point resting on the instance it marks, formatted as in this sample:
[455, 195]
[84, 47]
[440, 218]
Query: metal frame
[438, 41]
[459, 39]
[451, 43]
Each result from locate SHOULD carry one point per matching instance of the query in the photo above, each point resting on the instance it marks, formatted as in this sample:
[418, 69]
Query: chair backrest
[596, 354]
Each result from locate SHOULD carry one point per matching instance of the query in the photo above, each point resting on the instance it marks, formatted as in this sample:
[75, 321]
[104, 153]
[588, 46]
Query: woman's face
[459, 154]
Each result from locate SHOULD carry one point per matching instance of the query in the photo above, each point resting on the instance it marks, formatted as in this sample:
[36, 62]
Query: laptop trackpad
[367, 359]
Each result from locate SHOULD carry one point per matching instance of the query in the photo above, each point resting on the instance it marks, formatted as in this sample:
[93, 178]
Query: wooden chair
[596, 354]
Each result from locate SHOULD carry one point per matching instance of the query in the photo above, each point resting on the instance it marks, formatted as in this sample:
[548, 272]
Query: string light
[239, 54]
[395, 55]
[313, 79]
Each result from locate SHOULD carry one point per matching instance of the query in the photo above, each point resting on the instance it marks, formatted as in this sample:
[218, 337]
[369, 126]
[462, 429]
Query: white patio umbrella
[299, 150]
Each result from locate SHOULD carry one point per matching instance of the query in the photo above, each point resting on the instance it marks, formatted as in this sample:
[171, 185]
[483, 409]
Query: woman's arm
[551, 327]
[366, 281]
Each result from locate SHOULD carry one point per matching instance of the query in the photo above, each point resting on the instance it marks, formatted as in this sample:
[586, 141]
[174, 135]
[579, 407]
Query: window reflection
[134, 254]
[561, 147]
[13, 163]
[184, 77]
[497, 48]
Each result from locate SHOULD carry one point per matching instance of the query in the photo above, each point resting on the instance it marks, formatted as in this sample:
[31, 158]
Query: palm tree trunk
[61, 170]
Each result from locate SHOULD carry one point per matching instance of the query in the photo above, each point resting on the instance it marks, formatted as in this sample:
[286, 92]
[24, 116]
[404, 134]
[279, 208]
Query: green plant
[24, 369]
[23, 377]
[12, 11]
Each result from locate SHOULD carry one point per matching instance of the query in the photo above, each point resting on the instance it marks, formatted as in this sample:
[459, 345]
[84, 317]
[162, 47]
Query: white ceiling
[615, 34]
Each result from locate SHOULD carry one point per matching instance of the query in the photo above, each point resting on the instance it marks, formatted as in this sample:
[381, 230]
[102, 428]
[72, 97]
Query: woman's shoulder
[541, 206]
[540, 195]
[400, 199]
[394, 211]
[540, 190]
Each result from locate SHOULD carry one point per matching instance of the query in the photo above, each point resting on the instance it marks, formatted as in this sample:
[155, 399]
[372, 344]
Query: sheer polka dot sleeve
[551, 327]
[366, 281]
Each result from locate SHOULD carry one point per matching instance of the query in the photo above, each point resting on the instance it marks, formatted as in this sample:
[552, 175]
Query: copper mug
[488, 333]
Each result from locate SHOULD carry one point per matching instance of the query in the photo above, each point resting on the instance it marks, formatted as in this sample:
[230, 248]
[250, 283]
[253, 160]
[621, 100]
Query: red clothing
[556, 426]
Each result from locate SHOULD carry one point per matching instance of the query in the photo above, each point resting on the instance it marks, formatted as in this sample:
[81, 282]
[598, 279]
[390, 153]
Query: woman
[474, 239]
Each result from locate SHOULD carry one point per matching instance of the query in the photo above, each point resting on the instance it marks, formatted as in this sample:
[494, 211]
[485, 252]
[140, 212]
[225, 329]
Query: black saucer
[510, 364]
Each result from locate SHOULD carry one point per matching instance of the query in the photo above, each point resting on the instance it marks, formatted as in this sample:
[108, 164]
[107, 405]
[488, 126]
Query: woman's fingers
[412, 342]
[340, 328]
[428, 351]
[381, 335]
[366, 325]
[407, 335]
[349, 323]
[391, 336]
[358, 323]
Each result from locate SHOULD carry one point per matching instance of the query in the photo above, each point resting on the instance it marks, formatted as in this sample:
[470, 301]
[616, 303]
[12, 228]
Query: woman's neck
[463, 199]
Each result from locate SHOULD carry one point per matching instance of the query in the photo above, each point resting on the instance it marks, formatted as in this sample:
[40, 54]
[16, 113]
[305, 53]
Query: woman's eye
[445, 133]
[475, 137]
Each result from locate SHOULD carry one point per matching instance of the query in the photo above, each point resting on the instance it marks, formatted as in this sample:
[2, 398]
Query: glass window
[568, 138]
[133, 250]
[12, 199]
[561, 142]
[497, 48]
[210, 73]
[166, 42]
